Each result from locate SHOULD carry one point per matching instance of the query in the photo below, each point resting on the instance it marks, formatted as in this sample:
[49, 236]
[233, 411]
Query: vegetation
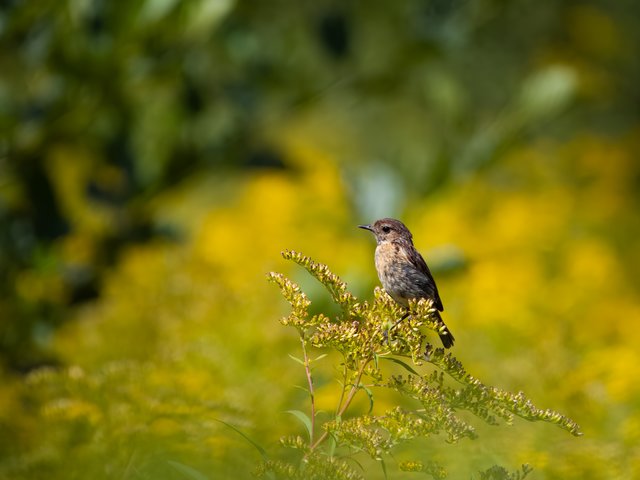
[156, 157]
[366, 335]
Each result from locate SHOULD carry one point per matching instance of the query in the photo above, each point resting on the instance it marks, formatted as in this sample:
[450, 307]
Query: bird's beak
[366, 227]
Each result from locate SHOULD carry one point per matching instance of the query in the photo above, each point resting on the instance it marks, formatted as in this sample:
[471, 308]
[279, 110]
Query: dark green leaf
[384, 468]
[304, 419]
[401, 363]
[370, 395]
[262, 451]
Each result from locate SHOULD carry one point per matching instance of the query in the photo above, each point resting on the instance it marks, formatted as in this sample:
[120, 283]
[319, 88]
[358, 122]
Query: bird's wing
[416, 259]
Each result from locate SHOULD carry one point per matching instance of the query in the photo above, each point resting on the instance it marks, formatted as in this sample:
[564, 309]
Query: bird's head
[388, 230]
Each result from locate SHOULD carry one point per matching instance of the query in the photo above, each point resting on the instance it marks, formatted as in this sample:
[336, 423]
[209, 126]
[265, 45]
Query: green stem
[344, 386]
[307, 369]
[352, 393]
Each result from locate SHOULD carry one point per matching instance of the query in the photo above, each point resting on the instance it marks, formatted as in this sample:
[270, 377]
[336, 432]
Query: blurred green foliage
[156, 156]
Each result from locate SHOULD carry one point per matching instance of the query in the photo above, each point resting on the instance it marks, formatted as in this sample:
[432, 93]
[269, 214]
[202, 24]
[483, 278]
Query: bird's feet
[385, 333]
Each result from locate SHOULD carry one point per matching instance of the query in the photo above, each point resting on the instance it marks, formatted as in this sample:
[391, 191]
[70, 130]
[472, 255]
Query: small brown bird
[402, 270]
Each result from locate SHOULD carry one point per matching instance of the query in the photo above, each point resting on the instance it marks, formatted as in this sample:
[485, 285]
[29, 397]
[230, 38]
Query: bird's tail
[445, 335]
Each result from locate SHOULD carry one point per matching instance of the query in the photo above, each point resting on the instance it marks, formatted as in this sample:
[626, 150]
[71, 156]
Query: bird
[403, 272]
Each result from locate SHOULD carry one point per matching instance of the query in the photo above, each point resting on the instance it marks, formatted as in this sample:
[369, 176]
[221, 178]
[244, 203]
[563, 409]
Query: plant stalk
[350, 396]
[307, 369]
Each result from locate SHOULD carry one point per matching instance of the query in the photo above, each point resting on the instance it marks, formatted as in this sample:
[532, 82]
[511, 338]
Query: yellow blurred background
[161, 156]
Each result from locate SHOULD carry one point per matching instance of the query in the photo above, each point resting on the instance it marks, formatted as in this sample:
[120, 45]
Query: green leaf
[304, 419]
[351, 459]
[370, 395]
[332, 446]
[262, 451]
[384, 468]
[300, 387]
[188, 471]
[320, 357]
[401, 363]
[296, 359]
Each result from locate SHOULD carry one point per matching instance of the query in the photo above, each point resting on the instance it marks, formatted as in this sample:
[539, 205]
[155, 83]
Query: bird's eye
[386, 229]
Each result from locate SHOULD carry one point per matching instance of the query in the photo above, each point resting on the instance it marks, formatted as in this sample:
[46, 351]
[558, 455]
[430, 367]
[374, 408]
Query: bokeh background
[157, 155]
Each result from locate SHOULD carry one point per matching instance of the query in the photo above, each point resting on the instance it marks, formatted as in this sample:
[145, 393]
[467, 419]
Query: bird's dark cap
[366, 227]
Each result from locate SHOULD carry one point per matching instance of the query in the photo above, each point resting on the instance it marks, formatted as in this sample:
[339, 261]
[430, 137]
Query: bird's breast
[392, 267]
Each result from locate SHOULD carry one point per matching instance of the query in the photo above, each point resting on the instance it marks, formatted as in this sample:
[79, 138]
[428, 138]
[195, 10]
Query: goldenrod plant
[433, 389]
